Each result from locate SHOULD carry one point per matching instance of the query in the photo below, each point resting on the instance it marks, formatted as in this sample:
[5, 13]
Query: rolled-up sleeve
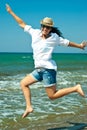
[63, 42]
[28, 29]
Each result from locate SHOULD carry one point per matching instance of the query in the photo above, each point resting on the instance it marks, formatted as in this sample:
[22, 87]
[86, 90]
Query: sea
[58, 114]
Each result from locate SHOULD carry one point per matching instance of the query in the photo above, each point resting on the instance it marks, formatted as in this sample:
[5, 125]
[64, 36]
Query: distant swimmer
[44, 41]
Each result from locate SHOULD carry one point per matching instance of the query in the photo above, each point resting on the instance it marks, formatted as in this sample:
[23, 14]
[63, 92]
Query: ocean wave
[64, 78]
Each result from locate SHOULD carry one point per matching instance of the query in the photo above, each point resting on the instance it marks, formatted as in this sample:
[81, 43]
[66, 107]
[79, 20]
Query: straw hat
[47, 21]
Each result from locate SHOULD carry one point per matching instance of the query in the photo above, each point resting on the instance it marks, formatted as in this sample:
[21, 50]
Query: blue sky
[70, 16]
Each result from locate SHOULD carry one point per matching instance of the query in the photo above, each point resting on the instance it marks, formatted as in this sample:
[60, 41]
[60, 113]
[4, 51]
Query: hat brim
[46, 24]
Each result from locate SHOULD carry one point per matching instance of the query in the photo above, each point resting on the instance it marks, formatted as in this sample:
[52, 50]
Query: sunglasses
[44, 26]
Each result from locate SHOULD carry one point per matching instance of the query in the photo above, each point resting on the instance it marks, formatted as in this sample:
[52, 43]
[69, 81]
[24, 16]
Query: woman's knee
[51, 92]
[51, 97]
[22, 83]
[28, 80]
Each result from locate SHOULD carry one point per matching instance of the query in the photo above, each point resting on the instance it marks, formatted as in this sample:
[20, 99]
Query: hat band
[47, 24]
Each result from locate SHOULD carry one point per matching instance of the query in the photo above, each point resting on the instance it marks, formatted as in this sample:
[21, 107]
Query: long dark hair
[57, 31]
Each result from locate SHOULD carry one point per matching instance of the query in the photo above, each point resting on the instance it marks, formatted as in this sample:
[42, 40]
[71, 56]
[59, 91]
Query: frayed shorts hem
[50, 85]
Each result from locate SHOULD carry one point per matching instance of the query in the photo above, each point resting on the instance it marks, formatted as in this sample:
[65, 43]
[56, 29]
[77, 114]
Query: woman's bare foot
[27, 111]
[79, 90]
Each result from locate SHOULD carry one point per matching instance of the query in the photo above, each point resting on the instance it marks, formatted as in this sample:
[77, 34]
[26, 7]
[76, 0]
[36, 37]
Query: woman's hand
[83, 45]
[8, 8]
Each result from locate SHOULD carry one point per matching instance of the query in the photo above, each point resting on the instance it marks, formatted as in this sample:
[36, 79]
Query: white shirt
[43, 48]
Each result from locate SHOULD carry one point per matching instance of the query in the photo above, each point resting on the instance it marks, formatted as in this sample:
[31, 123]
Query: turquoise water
[72, 69]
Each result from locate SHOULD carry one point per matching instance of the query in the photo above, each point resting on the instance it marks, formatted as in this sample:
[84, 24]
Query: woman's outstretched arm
[81, 45]
[18, 19]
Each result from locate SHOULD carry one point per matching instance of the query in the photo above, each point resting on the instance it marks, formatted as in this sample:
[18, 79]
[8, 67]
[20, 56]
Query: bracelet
[81, 45]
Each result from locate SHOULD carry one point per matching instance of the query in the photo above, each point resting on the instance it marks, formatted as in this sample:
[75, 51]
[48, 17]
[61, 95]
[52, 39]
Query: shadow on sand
[75, 126]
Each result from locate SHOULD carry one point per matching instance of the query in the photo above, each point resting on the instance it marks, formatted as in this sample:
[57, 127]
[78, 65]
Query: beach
[66, 113]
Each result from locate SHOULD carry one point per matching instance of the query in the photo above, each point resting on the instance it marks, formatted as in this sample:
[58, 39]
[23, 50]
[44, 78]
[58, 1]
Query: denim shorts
[48, 76]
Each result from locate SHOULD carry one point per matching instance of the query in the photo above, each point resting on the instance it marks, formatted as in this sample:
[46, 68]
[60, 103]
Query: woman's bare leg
[28, 80]
[53, 94]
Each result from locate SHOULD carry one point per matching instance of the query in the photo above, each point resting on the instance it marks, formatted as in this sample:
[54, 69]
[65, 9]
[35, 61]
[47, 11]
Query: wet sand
[76, 121]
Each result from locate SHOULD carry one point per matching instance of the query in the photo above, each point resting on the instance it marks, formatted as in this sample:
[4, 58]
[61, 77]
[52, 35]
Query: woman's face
[45, 29]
